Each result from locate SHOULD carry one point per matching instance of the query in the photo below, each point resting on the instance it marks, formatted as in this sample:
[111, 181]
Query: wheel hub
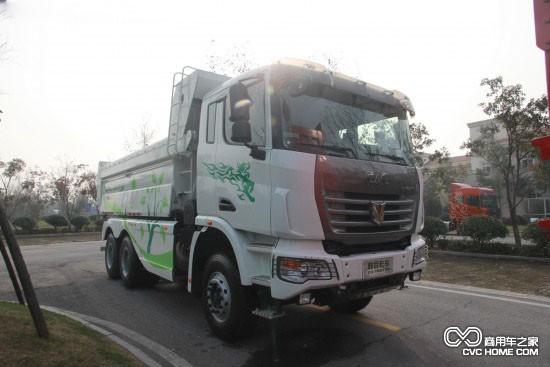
[218, 297]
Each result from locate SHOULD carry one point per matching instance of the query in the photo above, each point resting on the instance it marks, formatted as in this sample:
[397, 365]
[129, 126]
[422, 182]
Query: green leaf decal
[134, 184]
[142, 232]
[164, 202]
[162, 234]
[161, 178]
[154, 178]
[240, 179]
[143, 200]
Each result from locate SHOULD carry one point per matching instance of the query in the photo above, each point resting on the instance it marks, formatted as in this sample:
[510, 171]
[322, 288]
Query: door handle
[226, 205]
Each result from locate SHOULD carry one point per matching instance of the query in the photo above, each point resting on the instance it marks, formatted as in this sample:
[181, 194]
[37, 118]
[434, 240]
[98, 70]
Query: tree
[421, 141]
[141, 137]
[56, 220]
[79, 222]
[36, 193]
[88, 187]
[234, 62]
[69, 188]
[24, 223]
[520, 121]
[10, 192]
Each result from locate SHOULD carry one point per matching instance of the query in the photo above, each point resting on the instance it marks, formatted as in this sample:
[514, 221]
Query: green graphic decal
[159, 261]
[240, 179]
[154, 207]
[112, 207]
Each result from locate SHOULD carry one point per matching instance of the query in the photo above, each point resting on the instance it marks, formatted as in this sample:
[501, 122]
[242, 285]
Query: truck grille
[349, 212]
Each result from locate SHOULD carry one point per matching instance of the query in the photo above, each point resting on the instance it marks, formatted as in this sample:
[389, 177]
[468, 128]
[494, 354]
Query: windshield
[489, 201]
[323, 120]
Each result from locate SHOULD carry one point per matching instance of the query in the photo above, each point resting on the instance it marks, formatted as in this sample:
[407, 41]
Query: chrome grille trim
[351, 213]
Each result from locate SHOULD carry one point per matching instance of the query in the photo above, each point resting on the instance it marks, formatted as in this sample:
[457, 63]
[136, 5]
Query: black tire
[225, 301]
[112, 257]
[352, 306]
[131, 269]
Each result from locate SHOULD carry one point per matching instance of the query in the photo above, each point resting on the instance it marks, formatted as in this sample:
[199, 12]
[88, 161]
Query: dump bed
[158, 179]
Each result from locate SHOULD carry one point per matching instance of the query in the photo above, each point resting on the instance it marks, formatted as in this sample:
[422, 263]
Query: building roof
[460, 159]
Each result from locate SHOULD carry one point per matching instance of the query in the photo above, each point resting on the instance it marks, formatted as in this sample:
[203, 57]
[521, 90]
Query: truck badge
[378, 208]
[376, 178]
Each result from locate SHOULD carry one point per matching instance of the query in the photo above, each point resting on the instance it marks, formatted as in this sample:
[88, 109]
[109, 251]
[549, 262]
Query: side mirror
[241, 132]
[240, 103]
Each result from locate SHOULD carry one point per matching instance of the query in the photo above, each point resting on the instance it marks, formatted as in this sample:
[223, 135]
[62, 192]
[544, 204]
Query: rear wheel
[112, 253]
[131, 269]
[224, 300]
[352, 306]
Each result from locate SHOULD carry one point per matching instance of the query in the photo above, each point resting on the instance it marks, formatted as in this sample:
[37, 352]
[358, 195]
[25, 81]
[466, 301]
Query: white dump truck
[289, 184]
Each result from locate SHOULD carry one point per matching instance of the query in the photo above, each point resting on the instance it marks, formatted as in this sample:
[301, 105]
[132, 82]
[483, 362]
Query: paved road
[403, 327]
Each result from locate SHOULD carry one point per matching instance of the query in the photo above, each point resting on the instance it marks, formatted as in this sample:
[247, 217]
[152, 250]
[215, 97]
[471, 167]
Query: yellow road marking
[360, 318]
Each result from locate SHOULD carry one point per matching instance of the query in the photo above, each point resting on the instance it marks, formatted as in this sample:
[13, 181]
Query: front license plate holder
[378, 267]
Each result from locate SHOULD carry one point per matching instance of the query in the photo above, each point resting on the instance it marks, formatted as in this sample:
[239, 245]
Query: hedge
[492, 248]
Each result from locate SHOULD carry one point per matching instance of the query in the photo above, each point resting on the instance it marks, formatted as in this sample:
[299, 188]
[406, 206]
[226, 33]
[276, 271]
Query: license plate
[377, 267]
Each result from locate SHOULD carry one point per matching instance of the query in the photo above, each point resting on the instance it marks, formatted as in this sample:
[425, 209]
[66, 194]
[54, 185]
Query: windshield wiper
[392, 157]
[329, 147]
[340, 149]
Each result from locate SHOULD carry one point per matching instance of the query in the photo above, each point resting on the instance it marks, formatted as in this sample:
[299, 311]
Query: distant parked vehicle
[466, 200]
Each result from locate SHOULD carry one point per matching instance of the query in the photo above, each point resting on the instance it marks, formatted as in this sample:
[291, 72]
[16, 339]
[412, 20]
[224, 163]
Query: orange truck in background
[466, 200]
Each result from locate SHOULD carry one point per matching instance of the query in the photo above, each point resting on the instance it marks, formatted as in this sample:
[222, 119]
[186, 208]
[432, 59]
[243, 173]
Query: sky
[81, 76]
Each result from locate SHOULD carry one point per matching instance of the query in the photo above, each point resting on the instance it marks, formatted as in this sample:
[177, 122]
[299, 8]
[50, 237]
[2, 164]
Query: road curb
[491, 256]
[56, 234]
[172, 358]
[138, 353]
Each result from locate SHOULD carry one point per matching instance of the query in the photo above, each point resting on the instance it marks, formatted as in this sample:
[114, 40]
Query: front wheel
[352, 306]
[224, 299]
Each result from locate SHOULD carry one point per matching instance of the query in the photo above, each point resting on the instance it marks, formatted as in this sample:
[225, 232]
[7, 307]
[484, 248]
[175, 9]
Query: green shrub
[56, 220]
[540, 236]
[433, 228]
[493, 248]
[24, 223]
[482, 229]
[79, 222]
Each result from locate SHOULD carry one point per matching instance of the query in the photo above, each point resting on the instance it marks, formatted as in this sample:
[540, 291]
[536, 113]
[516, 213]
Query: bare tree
[231, 63]
[141, 137]
[36, 193]
[11, 191]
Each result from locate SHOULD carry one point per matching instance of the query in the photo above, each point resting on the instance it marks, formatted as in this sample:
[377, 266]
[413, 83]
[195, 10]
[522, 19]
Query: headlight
[300, 270]
[420, 255]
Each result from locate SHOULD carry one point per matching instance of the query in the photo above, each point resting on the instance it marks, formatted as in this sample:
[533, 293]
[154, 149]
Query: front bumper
[348, 269]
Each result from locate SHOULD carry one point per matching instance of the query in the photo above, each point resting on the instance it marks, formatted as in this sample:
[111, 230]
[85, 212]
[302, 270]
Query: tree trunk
[515, 229]
[513, 218]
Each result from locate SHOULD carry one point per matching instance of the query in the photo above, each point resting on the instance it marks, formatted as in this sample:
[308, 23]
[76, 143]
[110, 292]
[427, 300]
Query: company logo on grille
[376, 178]
[378, 208]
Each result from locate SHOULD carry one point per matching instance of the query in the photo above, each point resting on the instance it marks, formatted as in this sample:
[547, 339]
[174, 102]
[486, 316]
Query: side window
[256, 91]
[211, 125]
[473, 200]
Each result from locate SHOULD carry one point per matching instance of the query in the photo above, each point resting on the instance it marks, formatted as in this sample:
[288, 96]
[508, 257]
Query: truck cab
[466, 201]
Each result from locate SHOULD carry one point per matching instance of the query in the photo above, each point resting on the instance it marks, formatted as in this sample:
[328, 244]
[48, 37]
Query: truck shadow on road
[168, 315]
